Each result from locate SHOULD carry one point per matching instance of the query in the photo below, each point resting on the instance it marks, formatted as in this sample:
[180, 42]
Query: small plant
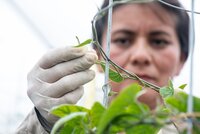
[126, 114]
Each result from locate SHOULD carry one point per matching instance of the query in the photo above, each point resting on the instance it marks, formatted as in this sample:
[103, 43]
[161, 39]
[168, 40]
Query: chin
[151, 98]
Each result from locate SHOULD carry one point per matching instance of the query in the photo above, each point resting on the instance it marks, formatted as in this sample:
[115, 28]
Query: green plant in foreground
[126, 114]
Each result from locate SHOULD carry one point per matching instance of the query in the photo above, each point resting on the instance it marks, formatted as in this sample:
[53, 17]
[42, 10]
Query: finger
[46, 103]
[69, 83]
[70, 98]
[66, 68]
[59, 55]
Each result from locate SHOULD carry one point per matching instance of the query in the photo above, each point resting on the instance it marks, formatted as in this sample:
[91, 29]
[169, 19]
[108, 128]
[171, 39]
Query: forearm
[31, 125]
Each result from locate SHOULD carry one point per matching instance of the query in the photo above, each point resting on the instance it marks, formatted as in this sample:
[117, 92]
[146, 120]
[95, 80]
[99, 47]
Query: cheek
[117, 54]
[167, 63]
[120, 57]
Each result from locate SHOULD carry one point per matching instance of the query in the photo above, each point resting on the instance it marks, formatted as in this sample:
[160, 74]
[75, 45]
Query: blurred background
[29, 28]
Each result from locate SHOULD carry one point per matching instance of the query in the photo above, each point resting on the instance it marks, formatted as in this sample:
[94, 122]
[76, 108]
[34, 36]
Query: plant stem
[108, 40]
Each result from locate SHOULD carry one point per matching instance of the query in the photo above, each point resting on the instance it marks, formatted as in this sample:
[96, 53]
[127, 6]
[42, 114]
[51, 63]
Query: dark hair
[182, 23]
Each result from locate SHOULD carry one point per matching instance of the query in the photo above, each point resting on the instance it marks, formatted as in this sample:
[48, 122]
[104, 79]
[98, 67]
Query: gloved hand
[58, 78]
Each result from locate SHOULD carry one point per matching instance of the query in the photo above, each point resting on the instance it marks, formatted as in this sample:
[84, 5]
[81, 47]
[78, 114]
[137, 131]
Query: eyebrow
[156, 33]
[124, 31]
[152, 33]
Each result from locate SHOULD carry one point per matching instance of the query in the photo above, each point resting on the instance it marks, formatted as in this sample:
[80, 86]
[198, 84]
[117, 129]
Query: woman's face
[144, 42]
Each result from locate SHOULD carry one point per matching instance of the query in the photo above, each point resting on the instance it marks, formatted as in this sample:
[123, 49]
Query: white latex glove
[58, 78]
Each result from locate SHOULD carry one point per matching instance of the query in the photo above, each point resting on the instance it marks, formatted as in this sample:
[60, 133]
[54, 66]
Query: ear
[181, 64]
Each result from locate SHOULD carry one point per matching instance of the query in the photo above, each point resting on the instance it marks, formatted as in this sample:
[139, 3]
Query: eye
[122, 42]
[160, 43]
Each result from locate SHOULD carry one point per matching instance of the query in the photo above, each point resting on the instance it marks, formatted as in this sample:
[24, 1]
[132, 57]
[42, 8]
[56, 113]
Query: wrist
[44, 123]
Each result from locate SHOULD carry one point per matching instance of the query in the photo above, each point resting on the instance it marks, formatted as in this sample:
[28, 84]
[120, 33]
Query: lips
[147, 78]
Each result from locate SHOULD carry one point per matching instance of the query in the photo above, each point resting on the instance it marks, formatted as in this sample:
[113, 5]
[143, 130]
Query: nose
[140, 53]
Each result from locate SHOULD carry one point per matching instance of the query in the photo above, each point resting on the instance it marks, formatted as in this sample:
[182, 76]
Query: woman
[149, 39]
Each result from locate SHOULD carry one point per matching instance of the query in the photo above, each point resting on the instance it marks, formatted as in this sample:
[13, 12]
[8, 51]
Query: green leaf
[113, 75]
[178, 105]
[170, 84]
[65, 109]
[143, 129]
[120, 105]
[122, 122]
[96, 113]
[88, 41]
[69, 129]
[196, 104]
[166, 91]
[111, 93]
[182, 86]
[77, 117]
[162, 114]
[178, 102]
